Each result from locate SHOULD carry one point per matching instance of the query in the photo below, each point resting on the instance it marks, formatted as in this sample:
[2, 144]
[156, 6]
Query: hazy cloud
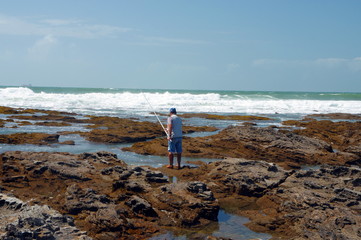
[163, 40]
[173, 68]
[57, 27]
[353, 64]
[232, 67]
[42, 47]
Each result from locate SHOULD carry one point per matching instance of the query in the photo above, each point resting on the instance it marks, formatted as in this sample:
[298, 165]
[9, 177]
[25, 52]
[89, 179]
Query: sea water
[132, 102]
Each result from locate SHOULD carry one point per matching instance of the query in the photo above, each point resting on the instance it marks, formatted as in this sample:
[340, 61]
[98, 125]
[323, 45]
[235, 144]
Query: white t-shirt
[176, 125]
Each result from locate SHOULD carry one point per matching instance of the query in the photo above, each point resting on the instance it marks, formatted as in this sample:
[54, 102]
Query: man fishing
[174, 136]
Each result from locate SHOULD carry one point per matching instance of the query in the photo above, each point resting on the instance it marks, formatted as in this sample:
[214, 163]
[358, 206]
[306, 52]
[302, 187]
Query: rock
[318, 204]
[78, 200]
[315, 204]
[53, 124]
[141, 206]
[70, 142]
[268, 144]
[134, 186]
[201, 190]
[107, 220]
[156, 177]
[342, 135]
[107, 198]
[18, 220]
[29, 138]
[337, 116]
[247, 177]
[224, 117]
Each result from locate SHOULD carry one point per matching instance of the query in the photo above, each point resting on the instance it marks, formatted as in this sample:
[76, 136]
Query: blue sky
[278, 45]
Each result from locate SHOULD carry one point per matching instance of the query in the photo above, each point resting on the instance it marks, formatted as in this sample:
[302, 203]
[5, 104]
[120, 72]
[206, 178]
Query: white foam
[135, 103]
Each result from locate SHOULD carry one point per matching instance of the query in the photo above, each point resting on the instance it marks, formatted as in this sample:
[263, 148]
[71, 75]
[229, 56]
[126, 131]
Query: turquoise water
[132, 102]
[228, 226]
[336, 96]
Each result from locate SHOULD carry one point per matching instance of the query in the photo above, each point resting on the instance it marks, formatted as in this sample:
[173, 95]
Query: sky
[254, 45]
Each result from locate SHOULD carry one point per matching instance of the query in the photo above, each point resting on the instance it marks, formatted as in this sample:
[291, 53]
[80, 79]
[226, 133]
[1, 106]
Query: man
[174, 128]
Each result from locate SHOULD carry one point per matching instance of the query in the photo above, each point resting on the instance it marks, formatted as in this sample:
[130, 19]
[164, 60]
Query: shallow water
[228, 226]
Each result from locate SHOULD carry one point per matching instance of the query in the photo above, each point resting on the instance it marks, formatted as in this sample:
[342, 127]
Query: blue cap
[173, 110]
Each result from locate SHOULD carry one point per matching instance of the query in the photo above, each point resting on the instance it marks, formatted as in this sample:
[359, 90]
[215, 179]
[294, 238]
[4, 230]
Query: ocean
[131, 102]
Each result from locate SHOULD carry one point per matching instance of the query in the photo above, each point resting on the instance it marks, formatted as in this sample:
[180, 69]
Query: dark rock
[106, 220]
[21, 221]
[156, 177]
[348, 193]
[268, 144]
[29, 138]
[70, 142]
[141, 206]
[134, 187]
[78, 200]
[312, 185]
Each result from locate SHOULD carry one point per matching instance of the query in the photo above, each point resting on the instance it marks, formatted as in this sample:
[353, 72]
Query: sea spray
[128, 102]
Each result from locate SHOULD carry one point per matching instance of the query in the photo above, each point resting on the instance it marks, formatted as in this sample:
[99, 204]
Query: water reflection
[228, 226]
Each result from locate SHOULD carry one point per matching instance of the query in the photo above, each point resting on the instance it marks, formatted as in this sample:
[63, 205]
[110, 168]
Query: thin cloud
[41, 49]
[163, 40]
[353, 64]
[57, 27]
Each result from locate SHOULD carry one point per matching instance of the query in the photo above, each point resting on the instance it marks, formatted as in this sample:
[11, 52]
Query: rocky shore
[301, 180]
[106, 198]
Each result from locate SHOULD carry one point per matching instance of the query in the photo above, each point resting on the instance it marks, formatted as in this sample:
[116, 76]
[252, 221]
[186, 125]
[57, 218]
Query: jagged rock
[29, 138]
[342, 135]
[317, 204]
[141, 206]
[107, 220]
[107, 198]
[268, 144]
[156, 177]
[78, 200]
[18, 220]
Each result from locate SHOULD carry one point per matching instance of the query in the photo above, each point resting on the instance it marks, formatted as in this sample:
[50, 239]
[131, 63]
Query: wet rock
[141, 206]
[201, 190]
[78, 200]
[134, 186]
[224, 117]
[342, 135]
[156, 177]
[247, 177]
[18, 220]
[318, 204]
[268, 144]
[107, 198]
[29, 138]
[70, 142]
[337, 116]
[53, 124]
[107, 220]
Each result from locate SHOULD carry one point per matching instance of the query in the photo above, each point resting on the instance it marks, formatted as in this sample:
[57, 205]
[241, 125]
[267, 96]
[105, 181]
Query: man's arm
[169, 128]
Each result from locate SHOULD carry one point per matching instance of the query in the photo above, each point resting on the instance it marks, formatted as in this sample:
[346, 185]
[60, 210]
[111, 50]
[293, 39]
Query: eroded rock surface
[313, 204]
[107, 198]
[343, 136]
[29, 138]
[298, 204]
[19, 220]
[269, 144]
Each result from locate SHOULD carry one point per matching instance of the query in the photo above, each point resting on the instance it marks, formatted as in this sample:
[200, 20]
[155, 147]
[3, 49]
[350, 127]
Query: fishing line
[155, 114]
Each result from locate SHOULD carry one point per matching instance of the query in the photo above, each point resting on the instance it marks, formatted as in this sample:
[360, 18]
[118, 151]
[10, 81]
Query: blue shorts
[175, 146]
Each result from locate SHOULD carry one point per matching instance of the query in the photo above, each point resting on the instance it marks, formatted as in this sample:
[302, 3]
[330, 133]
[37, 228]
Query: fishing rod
[155, 114]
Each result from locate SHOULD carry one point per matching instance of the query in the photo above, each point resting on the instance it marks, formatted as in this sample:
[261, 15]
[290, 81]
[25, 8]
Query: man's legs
[175, 146]
[179, 159]
[170, 157]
